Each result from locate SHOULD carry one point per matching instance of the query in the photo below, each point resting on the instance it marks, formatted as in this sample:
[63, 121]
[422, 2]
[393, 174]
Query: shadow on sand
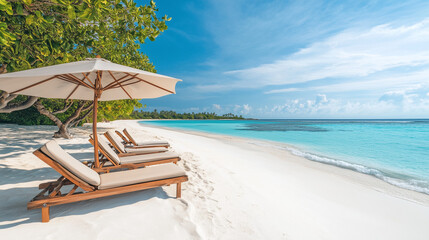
[17, 141]
[14, 210]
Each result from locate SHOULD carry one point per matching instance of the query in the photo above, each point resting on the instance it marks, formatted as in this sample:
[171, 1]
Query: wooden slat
[73, 190]
[113, 143]
[103, 193]
[130, 137]
[60, 169]
[151, 146]
[123, 137]
[103, 152]
[137, 165]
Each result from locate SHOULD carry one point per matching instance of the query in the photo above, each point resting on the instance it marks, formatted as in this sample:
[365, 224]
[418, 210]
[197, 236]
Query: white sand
[238, 189]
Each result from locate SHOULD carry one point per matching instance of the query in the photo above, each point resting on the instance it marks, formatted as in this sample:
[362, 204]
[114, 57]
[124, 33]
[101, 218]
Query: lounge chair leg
[45, 214]
[179, 190]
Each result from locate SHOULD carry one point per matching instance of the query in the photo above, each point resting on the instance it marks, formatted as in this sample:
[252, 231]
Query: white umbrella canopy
[76, 80]
[92, 79]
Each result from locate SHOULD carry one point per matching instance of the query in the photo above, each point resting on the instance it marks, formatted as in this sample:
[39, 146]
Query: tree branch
[77, 121]
[15, 106]
[75, 114]
[66, 107]
[39, 106]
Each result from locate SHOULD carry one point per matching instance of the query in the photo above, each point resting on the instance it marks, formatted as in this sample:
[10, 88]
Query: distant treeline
[174, 115]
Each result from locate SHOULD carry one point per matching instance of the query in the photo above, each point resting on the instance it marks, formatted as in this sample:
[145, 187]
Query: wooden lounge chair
[126, 141]
[130, 151]
[135, 143]
[117, 143]
[112, 160]
[96, 185]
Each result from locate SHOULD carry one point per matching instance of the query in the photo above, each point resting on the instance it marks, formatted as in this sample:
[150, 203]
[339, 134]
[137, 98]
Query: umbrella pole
[94, 130]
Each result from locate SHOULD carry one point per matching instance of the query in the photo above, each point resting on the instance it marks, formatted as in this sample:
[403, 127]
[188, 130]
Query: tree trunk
[63, 127]
[63, 132]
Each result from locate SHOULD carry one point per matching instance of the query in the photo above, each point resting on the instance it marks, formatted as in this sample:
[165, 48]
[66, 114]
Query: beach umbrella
[92, 79]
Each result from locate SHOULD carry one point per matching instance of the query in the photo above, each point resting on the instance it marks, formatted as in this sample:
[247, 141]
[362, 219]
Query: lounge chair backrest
[102, 143]
[116, 140]
[130, 137]
[54, 151]
[123, 137]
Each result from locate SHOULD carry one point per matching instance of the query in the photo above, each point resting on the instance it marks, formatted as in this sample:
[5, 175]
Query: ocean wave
[409, 183]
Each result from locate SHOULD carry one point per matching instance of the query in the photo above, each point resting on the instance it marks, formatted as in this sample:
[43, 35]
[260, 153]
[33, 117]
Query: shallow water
[396, 151]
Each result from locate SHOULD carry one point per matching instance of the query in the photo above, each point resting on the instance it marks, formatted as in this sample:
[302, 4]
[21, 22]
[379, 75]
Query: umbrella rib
[142, 80]
[66, 79]
[120, 84]
[87, 78]
[126, 84]
[73, 77]
[74, 90]
[114, 84]
[35, 84]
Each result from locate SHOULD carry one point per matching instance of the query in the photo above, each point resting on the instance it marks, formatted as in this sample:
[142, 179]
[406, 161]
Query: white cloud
[407, 103]
[284, 90]
[192, 109]
[244, 109]
[350, 54]
[321, 99]
[217, 106]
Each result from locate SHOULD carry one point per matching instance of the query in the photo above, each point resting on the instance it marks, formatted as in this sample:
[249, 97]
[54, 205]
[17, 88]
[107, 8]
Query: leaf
[6, 6]
[50, 19]
[86, 13]
[71, 12]
[28, 2]
[19, 9]
[29, 19]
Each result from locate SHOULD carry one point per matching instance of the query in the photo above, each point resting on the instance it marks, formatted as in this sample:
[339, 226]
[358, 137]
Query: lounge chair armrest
[118, 167]
[129, 166]
[129, 154]
[101, 170]
[143, 147]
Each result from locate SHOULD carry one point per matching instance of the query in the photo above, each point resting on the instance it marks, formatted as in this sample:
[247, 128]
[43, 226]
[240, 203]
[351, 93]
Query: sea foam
[410, 184]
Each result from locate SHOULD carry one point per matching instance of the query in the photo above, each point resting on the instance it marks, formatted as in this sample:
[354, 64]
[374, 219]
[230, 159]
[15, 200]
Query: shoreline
[314, 157]
[237, 189]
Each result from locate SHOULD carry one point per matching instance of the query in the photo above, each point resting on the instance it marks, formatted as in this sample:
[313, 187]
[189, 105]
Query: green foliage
[46, 32]
[29, 116]
[173, 115]
[37, 33]
[111, 110]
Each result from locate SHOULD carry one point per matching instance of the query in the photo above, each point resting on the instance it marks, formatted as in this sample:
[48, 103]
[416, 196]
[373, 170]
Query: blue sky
[295, 59]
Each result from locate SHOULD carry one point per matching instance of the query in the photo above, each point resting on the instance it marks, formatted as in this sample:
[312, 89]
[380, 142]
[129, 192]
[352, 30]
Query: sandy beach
[238, 189]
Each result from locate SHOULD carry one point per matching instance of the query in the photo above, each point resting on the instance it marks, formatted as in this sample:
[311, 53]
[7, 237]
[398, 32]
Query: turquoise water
[396, 151]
